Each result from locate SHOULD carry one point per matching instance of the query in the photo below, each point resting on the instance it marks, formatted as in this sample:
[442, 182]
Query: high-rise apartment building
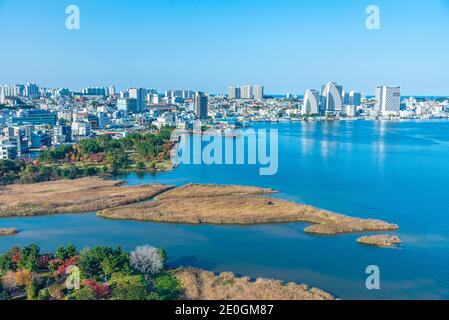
[127, 105]
[139, 95]
[234, 93]
[355, 98]
[388, 100]
[31, 90]
[258, 92]
[112, 91]
[246, 92]
[201, 102]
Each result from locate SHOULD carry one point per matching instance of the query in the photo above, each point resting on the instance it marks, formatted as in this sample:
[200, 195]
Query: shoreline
[71, 196]
[239, 205]
[382, 241]
[190, 204]
[7, 232]
[130, 281]
[206, 285]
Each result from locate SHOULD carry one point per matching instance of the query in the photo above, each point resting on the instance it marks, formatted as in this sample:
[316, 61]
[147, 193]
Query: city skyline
[209, 47]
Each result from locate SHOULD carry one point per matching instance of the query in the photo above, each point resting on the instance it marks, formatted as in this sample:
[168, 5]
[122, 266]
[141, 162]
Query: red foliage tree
[65, 264]
[101, 291]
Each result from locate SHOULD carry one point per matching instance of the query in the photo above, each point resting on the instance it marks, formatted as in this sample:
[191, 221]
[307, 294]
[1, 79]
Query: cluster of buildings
[33, 118]
[246, 92]
[334, 101]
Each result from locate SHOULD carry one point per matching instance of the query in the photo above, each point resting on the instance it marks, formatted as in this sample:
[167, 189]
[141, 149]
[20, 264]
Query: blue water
[396, 171]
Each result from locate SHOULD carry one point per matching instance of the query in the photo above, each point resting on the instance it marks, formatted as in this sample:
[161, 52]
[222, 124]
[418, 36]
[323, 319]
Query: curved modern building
[311, 102]
[331, 98]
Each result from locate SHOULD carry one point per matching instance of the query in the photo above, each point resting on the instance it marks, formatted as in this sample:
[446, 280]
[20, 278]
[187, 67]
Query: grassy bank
[71, 196]
[193, 204]
[203, 285]
[215, 204]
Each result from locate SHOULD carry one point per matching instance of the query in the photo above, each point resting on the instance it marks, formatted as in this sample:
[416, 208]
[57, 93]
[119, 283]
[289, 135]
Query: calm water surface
[396, 171]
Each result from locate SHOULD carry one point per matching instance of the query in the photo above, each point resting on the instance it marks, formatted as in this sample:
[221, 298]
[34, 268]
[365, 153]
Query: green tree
[32, 290]
[89, 147]
[118, 161]
[115, 261]
[4, 295]
[63, 253]
[99, 262]
[140, 165]
[83, 294]
[70, 171]
[130, 288]
[29, 257]
[44, 295]
[167, 287]
[6, 263]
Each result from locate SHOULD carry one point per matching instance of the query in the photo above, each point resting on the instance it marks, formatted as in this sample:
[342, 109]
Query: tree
[69, 171]
[24, 278]
[101, 291]
[32, 290]
[90, 263]
[140, 165]
[101, 261]
[130, 288]
[44, 295]
[56, 154]
[89, 147]
[167, 287]
[29, 258]
[3, 294]
[9, 281]
[165, 133]
[6, 263]
[118, 160]
[147, 260]
[116, 261]
[66, 253]
[84, 294]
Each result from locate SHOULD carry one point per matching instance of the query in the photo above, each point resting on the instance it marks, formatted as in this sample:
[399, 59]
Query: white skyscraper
[246, 92]
[331, 98]
[234, 93]
[388, 100]
[311, 105]
[111, 91]
[258, 92]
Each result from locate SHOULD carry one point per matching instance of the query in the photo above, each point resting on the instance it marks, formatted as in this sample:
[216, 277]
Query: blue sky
[287, 45]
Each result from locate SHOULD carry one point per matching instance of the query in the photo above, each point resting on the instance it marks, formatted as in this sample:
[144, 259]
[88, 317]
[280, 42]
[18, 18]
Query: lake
[395, 171]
